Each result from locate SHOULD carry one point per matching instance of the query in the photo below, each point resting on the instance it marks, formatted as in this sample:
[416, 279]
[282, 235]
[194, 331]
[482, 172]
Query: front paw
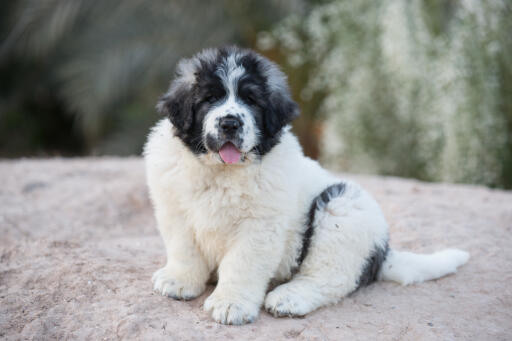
[227, 310]
[170, 284]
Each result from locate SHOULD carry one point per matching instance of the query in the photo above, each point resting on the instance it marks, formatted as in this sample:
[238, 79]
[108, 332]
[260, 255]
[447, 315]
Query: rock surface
[78, 247]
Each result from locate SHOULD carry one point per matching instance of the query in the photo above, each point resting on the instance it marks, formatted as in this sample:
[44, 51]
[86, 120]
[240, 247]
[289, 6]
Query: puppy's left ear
[281, 110]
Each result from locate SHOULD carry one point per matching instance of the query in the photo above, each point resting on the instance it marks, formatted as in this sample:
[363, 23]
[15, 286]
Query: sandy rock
[78, 247]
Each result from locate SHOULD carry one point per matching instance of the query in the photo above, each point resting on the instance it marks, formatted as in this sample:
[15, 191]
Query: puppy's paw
[283, 301]
[169, 284]
[227, 310]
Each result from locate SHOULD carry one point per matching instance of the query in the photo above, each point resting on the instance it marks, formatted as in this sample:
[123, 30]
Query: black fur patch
[372, 266]
[186, 105]
[272, 110]
[319, 203]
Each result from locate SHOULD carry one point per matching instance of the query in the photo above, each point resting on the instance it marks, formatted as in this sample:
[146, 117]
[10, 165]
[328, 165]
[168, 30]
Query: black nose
[230, 124]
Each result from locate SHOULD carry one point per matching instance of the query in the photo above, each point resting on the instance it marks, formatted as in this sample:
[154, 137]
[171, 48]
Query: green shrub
[411, 88]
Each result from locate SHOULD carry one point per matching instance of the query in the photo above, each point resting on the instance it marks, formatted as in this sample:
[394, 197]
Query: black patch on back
[372, 266]
[319, 203]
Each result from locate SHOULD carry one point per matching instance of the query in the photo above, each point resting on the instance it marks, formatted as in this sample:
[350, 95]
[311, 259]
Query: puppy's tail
[407, 267]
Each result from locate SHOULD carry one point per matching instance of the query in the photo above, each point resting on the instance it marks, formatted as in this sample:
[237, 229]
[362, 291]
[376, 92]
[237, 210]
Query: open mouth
[229, 153]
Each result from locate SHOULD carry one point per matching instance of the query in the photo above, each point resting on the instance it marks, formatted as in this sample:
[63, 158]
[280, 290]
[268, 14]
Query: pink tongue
[229, 153]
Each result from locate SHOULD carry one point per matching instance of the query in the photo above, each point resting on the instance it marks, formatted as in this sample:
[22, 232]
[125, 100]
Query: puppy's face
[228, 105]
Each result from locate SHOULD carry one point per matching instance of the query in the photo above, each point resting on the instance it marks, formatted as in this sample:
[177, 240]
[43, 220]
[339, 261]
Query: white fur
[407, 268]
[246, 222]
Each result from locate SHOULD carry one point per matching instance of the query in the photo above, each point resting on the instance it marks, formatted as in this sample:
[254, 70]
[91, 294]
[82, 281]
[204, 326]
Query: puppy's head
[228, 105]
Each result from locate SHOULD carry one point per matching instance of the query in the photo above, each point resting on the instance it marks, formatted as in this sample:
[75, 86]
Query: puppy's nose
[230, 124]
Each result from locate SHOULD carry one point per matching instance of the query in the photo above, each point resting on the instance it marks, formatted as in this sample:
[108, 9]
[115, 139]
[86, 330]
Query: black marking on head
[319, 203]
[187, 103]
[281, 111]
[181, 107]
[372, 266]
[177, 105]
[272, 105]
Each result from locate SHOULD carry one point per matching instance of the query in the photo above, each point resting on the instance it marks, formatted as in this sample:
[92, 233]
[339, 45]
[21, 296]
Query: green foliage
[411, 88]
[97, 67]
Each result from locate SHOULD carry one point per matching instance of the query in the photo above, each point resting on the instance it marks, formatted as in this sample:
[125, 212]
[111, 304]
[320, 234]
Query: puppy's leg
[348, 229]
[245, 272]
[323, 279]
[186, 273]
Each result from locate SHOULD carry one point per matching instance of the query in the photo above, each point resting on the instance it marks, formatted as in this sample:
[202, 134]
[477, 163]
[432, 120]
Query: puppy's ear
[178, 105]
[281, 110]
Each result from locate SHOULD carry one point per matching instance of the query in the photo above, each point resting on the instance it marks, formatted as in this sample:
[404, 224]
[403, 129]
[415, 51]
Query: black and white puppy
[235, 197]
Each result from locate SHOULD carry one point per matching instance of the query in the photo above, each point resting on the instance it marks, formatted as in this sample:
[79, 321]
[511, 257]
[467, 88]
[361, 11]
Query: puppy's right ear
[178, 105]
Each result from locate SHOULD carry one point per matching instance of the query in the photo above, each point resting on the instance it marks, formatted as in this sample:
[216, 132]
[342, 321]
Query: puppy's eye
[210, 98]
[251, 98]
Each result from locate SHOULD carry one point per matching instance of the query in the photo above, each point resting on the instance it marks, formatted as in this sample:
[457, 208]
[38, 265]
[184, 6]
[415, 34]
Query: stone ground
[79, 244]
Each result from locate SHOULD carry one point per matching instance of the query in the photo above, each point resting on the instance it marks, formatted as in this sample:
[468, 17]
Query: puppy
[235, 198]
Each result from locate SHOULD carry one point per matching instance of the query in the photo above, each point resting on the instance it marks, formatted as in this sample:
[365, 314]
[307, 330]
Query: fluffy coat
[277, 216]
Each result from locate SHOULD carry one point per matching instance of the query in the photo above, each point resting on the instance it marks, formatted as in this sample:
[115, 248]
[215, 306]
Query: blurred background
[413, 88]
